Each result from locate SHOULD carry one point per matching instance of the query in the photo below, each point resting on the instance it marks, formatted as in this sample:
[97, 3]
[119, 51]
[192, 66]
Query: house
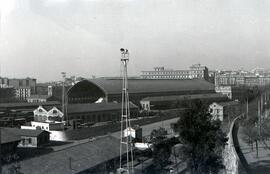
[37, 98]
[47, 118]
[50, 114]
[30, 138]
[225, 111]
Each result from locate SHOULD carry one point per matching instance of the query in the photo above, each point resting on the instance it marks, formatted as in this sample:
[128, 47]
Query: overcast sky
[42, 38]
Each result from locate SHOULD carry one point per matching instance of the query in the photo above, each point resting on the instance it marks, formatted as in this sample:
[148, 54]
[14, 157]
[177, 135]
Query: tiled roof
[94, 107]
[24, 132]
[82, 156]
[8, 136]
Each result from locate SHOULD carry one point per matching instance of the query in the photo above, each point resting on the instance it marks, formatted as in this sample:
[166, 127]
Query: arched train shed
[88, 91]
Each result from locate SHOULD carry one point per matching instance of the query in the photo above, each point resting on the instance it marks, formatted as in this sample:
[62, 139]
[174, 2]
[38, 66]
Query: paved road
[260, 164]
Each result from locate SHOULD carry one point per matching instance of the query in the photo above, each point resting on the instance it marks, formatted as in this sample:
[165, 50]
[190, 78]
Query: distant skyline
[42, 38]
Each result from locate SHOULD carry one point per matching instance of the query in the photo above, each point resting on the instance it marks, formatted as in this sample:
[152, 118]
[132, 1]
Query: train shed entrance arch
[85, 92]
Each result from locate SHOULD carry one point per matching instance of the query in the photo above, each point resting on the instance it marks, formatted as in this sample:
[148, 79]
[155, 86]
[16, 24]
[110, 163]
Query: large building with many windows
[196, 71]
[23, 87]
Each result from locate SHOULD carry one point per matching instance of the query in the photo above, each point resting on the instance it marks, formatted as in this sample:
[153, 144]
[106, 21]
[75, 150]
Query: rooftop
[24, 104]
[8, 136]
[114, 86]
[81, 157]
[184, 97]
[24, 132]
[92, 107]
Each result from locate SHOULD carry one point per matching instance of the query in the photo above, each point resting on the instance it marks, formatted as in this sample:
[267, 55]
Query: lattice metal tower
[126, 134]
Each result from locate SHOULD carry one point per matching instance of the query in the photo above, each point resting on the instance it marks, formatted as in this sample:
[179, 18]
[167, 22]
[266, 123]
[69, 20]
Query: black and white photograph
[134, 87]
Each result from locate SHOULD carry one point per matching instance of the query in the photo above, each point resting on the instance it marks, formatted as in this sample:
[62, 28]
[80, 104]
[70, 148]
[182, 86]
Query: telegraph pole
[63, 96]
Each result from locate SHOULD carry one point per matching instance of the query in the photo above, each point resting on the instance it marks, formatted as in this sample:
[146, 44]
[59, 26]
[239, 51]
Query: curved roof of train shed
[114, 86]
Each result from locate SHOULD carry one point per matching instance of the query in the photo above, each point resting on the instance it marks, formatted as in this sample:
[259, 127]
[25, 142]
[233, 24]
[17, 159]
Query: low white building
[226, 90]
[49, 119]
[224, 110]
[51, 114]
[37, 98]
[48, 126]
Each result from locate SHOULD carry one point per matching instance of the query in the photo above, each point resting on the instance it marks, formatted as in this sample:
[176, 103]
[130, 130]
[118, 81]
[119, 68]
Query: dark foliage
[202, 139]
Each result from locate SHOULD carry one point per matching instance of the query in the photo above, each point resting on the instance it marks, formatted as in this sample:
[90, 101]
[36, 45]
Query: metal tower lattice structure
[126, 130]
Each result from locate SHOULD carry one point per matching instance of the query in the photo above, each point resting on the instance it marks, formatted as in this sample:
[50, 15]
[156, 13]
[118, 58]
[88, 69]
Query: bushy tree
[161, 148]
[202, 139]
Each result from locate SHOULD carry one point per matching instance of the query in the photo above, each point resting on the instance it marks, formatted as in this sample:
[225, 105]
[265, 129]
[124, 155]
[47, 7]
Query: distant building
[172, 102]
[51, 114]
[23, 87]
[226, 90]
[196, 71]
[48, 126]
[37, 98]
[30, 138]
[90, 91]
[98, 112]
[7, 95]
[225, 111]
[22, 93]
[23, 83]
[16, 114]
[236, 78]
[4, 82]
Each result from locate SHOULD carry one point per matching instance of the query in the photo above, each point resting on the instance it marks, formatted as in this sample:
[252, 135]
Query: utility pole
[247, 107]
[63, 96]
[125, 118]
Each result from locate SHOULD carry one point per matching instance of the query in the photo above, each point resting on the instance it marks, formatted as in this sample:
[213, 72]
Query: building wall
[36, 100]
[7, 95]
[226, 90]
[25, 83]
[225, 113]
[234, 79]
[23, 93]
[145, 105]
[27, 141]
[47, 126]
[216, 111]
[100, 116]
[195, 72]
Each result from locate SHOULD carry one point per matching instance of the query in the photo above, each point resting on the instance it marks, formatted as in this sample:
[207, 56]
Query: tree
[202, 138]
[161, 149]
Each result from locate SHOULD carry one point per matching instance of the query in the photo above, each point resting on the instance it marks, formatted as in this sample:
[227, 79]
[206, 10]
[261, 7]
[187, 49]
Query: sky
[42, 38]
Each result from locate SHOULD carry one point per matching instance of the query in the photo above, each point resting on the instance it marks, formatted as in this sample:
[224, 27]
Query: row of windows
[171, 72]
[165, 72]
[173, 77]
[95, 117]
